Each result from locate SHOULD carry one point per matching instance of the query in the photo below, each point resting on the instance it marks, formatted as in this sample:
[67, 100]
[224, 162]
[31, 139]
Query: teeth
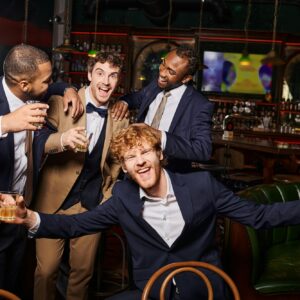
[143, 170]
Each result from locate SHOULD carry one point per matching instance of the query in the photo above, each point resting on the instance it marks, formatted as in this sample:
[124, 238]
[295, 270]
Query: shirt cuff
[163, 140]
[1, 134]
[33, 230]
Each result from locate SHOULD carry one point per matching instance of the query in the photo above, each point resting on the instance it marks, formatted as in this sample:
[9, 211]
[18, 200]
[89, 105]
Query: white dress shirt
[20, 163]
[94, 123]
[163, 214]
[169, 111]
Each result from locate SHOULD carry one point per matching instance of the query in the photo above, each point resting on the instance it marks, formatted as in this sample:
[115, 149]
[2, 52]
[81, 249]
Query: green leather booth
[272, 256]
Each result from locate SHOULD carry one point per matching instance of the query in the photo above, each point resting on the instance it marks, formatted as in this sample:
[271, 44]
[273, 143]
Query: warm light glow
[245, 60]
[92, 53]
[66, 47]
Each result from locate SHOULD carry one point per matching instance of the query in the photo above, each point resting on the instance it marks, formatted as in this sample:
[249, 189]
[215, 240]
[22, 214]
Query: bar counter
[269, 149]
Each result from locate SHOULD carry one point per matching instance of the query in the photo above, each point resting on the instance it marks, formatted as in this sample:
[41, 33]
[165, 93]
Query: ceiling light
[245, 60]
[272, 57]
[66, 47]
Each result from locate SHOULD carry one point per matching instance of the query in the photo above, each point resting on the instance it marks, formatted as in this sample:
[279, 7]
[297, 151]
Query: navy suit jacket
[7, 153]
[189, 136]
[7, 157]
[8, 233]
[201, 198]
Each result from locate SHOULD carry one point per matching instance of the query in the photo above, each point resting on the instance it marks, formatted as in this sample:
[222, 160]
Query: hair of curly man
[131, 137]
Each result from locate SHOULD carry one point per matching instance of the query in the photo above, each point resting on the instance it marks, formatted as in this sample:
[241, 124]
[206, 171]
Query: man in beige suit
[72, 181]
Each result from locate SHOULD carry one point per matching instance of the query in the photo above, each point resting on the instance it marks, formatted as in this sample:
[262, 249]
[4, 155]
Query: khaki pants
[81, 260]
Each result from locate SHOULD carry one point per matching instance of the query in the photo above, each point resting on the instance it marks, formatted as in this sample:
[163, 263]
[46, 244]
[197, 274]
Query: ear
[161, 156]
[187, 78]
[124, 168]
[25, 86]
[89, 76]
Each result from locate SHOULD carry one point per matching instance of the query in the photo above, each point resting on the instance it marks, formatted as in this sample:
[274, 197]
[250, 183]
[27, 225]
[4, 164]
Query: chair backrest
[8, 295]
[262, 239]
[188, 266]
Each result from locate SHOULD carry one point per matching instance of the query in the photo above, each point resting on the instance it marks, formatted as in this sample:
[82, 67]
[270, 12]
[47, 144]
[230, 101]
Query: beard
[31, 96]
[173, 86]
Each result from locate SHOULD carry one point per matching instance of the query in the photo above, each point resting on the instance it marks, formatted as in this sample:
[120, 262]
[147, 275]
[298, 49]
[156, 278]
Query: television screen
[226, 74]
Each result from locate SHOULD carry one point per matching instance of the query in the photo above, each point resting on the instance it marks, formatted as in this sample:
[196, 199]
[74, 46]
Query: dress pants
[13, 240]
[81, 260]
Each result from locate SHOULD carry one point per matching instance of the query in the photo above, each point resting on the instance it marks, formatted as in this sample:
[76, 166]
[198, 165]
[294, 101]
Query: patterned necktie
[101, 111]
[160, 110]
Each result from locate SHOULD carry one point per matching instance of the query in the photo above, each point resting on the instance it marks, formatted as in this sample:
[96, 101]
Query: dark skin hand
[120, 110]
[71, 98]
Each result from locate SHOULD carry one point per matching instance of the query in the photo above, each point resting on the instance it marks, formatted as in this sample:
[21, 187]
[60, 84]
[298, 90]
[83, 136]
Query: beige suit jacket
[62, 168]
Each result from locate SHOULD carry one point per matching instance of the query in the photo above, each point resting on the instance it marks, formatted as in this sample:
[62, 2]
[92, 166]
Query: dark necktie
[160, 110]
[29, 171]
[101, 111]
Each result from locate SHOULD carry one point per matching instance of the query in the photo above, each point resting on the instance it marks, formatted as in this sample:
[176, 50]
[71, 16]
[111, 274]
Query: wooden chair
[188, 266]
[8, 295]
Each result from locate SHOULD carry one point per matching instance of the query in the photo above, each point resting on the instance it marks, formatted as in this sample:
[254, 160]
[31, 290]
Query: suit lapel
[183, 198]
[149, 98]
[137, 205]
[82, 120]
[108, 136]
[29, 171]
[184, 101]
[7, 144]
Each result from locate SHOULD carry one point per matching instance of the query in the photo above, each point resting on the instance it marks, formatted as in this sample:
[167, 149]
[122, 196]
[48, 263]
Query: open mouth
[104, 92]
[144, 173]
[162, 80]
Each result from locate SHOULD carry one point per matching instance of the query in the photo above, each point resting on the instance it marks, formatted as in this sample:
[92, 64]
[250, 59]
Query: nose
[162, 71]
[140, 160]
[105, 80]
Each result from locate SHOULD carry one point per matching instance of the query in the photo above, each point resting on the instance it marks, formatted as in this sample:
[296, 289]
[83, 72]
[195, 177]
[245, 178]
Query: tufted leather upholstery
[274, 253]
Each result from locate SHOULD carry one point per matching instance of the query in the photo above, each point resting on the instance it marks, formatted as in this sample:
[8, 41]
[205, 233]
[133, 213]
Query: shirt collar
[170, 191]
[13, 101]
[89, 98]
[177, 92]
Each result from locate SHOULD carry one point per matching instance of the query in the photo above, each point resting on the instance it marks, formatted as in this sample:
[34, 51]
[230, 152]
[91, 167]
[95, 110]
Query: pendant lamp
[93, 51]
[66, 47]
[245, 60]
[201, 65]
[272, 57]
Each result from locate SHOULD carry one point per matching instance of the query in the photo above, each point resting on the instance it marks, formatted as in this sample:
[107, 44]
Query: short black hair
[184, 51]
[22, 62]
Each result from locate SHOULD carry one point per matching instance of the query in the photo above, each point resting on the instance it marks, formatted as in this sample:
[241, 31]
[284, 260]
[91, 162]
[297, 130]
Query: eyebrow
[99, 69]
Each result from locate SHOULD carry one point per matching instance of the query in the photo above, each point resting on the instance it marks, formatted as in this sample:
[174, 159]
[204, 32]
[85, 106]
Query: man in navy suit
[166, 217]
[185, 125]
[27, 75]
